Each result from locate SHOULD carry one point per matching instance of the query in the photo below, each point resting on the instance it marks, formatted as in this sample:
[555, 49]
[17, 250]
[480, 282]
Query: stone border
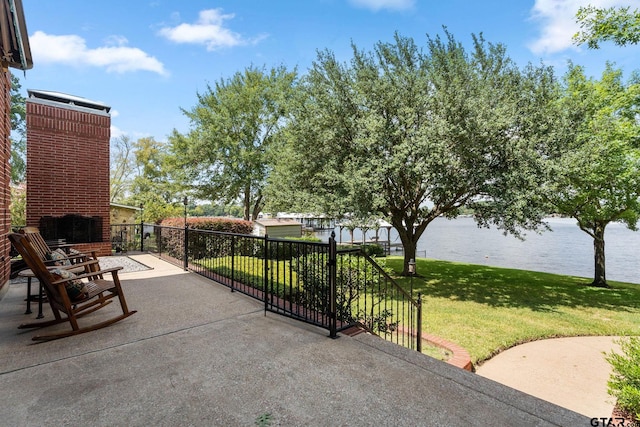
[460, 357]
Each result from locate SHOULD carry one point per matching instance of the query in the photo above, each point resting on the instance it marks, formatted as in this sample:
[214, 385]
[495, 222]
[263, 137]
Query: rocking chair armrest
[112, 270]
[71, 258]
[81, 255]
[92, 254]
[66, 267]
[80, 264]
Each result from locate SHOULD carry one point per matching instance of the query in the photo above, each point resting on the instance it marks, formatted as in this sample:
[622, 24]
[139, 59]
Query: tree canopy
[411, 134]
[226, 154]
[619, 25]
[122, 168]
[153, 185]
[18, 129]
[594, 172]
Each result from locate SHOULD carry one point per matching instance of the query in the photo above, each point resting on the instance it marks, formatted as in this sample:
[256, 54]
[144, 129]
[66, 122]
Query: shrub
[312, 239]
[290, 248]
[227, 225]
[355, 279]
[624, 383]
[373, 250]
[199, 244]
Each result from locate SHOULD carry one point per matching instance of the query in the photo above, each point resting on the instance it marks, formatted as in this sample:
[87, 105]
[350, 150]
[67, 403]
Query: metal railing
[318, 283]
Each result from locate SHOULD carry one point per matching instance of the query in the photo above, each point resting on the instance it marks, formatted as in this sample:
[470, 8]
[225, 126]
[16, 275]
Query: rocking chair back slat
[38, 242]
[31, 257]
[46, 253]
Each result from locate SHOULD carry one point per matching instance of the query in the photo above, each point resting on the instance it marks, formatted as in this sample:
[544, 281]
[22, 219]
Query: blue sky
[147, 59]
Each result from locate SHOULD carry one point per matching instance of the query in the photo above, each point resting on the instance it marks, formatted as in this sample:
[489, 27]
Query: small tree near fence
[356, 280]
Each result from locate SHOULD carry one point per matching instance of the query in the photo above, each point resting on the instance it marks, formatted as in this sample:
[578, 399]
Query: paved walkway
[570, 372]
[197, 354]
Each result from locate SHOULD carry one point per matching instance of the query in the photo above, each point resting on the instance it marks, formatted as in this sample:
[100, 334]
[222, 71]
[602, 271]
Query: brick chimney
[5, 175]
[68, 168]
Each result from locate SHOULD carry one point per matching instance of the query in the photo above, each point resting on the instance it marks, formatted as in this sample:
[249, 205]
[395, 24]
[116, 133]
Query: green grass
[251, 271]
[489, 309]
[435, 352]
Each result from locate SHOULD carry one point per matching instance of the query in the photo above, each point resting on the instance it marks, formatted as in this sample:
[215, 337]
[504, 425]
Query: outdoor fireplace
[72, 228]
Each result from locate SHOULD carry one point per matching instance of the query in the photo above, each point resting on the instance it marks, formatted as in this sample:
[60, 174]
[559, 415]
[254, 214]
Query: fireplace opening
[72, 228]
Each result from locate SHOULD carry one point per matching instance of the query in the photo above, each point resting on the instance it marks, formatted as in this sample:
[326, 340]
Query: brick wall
[68, 164]
[5, 175]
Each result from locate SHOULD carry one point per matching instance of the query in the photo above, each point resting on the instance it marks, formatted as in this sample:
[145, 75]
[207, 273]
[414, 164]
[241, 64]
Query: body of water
[565, 250]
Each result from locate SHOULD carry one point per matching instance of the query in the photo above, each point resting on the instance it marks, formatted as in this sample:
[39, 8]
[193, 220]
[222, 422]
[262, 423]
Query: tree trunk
[409, 241]
[599, 278]
[257, 207]
[247, 203]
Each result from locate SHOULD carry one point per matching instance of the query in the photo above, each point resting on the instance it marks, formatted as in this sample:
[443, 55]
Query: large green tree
[411, 135]
[122, 168]
[620, 25]
[226, 156]
[153, 185]
[18, 207]
[18, 132]
[594, 173]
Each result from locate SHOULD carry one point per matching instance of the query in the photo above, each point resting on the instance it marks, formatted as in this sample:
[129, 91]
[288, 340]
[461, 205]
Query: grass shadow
[503, 287]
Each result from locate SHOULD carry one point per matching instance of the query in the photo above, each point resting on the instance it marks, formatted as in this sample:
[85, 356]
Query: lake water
[565, 250]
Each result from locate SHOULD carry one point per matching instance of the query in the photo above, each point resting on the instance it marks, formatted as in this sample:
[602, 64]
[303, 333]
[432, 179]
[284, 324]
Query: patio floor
[198, 354]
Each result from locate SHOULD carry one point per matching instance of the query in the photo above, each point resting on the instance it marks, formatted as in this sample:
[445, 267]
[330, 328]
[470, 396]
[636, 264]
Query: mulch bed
[618, 415]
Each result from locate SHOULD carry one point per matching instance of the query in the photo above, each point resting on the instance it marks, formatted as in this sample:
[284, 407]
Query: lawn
[489, 309]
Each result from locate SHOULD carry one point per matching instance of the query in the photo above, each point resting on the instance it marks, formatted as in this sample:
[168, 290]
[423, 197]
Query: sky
[148, 59]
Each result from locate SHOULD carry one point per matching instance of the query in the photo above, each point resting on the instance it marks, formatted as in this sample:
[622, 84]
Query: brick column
[68, 160]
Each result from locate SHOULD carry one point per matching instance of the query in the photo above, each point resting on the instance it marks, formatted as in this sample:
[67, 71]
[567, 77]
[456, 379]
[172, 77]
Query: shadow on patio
[198, 354]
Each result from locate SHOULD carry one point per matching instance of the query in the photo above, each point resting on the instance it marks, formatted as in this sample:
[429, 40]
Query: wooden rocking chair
[46, 253]
[96, 293]
[77, 262]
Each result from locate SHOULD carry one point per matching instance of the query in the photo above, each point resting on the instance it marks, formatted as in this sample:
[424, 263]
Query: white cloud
[557, 20]
[116, 132]
[72, 49]
[376, 5]
[208, 30]
[116, 41]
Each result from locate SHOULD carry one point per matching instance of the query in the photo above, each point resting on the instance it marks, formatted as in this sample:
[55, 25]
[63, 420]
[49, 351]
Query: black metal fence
[318, 283]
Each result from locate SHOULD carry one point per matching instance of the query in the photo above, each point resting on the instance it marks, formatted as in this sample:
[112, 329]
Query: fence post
[233, 261]
[419, 334]
[332, 264]
[186, 247]
[141, 236]
[266, 273]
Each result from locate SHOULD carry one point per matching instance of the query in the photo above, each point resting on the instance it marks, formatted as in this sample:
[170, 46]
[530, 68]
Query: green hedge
[371, 249]
[201, 245]
[227, 225]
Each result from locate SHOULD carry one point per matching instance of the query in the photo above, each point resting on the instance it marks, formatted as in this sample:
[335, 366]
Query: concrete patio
[197, 354]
